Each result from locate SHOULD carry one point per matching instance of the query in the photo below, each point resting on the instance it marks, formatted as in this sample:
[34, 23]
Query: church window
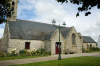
[27, 45]
[73, 39]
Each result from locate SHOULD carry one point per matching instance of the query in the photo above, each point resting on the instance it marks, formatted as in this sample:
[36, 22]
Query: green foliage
[13, 53]
[83, 50]
[5, 10]
[87, 5]
[92, 49]
[49, 52]
[2, 54]
[39, 52]
[25, 53]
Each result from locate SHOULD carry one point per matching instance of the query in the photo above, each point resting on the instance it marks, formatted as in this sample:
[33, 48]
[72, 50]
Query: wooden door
[57, 47]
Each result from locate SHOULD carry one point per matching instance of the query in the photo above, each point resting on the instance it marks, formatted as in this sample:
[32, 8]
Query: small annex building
[88, 42]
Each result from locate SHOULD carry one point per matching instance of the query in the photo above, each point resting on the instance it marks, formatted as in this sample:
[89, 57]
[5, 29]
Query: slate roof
[65, 31]
[31, 30]
[48, 35]
[88, 39]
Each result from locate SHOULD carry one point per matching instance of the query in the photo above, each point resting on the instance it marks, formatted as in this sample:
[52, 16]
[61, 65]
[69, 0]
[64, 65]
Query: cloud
[92, 29]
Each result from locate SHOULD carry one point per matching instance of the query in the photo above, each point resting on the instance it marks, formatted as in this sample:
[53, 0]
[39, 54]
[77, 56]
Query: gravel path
[39, 59]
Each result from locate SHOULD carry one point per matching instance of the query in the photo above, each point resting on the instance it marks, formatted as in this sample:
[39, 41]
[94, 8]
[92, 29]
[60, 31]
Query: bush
[13, 53]
[83, 50]
[24, 53]
[49, 52]
[40, 52]
[2, 54]
[34, 52]
[94, 48]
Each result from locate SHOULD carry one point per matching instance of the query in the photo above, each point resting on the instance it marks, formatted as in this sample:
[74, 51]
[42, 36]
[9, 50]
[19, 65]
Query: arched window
[73, 39]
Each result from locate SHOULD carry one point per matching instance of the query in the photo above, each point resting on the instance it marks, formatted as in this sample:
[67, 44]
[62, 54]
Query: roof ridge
[86, 36]
[36, 22]
[42, 23]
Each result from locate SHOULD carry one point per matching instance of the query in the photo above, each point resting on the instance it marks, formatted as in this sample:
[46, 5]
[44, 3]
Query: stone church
[23, 34]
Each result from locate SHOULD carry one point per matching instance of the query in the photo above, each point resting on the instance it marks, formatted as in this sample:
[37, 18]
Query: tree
[5, 10]
[86, 5]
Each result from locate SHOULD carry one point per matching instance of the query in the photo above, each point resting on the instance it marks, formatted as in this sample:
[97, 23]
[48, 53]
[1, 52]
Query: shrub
[24, 53]
[8, 55]
[34, 52]
[83, 50]
[2, 54]
[94, 48]
[13, 53]
[40, 52]
[49, 52]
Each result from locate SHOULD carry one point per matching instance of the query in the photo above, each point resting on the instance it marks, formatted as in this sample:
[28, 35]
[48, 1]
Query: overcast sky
[47, 10]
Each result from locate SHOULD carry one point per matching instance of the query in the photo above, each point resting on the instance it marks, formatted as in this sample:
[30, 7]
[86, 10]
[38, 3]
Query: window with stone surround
[27, 45]
[73, 39]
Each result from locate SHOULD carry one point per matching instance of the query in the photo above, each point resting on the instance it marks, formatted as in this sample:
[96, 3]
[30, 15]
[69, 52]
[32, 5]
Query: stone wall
[20, 44]
[69, 48]
[5, 39]
[87, 45]
[47, 45]
[54, 39]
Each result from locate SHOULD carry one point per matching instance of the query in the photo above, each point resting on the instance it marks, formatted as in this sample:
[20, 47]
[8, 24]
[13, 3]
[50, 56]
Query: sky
[45, 11]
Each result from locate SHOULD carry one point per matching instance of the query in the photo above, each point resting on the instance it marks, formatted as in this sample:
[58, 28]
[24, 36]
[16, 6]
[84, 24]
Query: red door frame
[57, 47]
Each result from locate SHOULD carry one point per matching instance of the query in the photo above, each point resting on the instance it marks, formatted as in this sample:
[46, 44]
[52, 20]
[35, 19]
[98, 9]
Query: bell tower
[13, 6]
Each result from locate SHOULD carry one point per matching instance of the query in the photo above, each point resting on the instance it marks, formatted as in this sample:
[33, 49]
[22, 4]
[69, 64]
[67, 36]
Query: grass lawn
[18, 57]
[76, 61]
